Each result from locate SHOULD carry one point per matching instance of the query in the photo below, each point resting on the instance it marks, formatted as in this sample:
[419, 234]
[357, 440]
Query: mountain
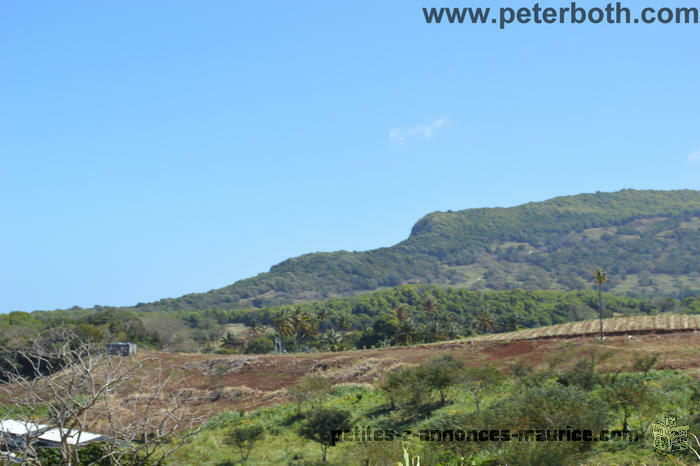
[648, 241]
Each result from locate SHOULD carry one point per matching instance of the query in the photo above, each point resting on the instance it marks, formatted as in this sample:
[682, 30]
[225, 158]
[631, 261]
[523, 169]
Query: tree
[231, 341]
[284, 323]
[600, 278]
[322, 314]
[303, 324]
[75, 386]
[408, 389]
[330, 340]
[440, 373]
[401, 312]
[430, 306]
[484, 322]
[244, 437]
[310, 388]
[343, 322]
[627, 392]
[480, 380]
[320, 424]
[406, 332]
[645, 362]
[256, 327]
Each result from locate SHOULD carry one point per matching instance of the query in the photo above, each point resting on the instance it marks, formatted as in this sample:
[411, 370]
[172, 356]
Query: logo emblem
[668, 436]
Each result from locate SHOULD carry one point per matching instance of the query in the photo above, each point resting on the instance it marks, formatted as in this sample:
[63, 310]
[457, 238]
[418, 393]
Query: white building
[52, 437]
[17, 434]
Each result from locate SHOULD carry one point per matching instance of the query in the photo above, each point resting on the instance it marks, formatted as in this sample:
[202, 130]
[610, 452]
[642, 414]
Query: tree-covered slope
[649, 241]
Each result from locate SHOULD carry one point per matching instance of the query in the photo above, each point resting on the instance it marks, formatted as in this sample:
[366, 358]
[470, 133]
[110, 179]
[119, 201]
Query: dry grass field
[215, 383]
[210, 383]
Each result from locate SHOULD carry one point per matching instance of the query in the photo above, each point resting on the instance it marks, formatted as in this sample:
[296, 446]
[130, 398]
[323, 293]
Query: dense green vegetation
[647, 240]
[566, 393]
[401, 315]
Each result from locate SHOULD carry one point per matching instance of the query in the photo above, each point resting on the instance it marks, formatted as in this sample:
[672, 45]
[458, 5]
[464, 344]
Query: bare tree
[58, 380]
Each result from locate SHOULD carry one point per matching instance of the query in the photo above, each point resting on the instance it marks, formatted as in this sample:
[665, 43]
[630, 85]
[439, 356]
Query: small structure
[7, 457]
[52, 438]
[16, 435]
[121, 349]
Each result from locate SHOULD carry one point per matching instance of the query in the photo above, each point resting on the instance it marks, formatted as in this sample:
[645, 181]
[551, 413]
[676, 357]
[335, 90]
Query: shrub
[259, 345]
[244, 437]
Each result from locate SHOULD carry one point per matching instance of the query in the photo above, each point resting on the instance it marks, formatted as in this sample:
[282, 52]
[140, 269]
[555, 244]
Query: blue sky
[151, 149]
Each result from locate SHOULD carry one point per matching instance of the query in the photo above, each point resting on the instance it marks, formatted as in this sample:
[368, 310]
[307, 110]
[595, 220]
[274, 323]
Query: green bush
[259, 345]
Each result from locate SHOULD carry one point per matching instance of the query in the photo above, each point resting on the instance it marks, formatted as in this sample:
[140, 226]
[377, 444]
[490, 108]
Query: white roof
[75, 437]
[12, 427]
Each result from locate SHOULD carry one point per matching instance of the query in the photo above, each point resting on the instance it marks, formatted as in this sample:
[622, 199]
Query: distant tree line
[406, 314]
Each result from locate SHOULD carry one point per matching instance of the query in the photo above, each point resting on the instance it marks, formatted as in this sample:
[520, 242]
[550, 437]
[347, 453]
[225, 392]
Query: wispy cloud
[400, 136]
[694, 158]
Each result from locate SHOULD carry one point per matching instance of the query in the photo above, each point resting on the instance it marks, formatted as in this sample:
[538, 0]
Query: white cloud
[399, 136]
[694, 158]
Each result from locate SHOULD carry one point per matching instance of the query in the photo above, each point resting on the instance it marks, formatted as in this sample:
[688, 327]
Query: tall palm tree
[304, 325]
[330, 340]
[322, 314]
[401, 311]
[256, 327]
[512, 323]
[406, 332]
[484, 322]
[600, 277]
[284, 323]
[343, 321]
[430, 306]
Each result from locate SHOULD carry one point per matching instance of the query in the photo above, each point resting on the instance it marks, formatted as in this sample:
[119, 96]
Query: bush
[259, 345]
[244, 437]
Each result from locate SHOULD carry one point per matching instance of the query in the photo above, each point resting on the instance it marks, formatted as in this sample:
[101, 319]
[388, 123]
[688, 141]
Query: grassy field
[550, 350]
[282, 443]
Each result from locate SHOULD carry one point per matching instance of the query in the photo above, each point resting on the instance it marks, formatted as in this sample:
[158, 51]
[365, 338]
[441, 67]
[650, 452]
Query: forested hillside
[648, 241]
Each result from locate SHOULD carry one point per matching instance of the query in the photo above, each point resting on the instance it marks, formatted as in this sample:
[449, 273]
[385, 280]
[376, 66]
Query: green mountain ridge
[649, 241]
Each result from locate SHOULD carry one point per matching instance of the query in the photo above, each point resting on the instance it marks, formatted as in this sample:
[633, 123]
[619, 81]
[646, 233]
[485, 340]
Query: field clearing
[613, 326]
[210, 383]
[214, 383]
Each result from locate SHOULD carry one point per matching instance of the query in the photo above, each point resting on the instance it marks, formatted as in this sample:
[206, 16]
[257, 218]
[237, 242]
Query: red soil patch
[216, 383]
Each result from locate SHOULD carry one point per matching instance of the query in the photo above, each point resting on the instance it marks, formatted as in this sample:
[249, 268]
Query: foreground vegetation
[565, 393]
[570, 384]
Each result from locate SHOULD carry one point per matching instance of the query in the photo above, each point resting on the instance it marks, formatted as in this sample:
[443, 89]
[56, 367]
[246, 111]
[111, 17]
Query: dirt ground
[216, 383]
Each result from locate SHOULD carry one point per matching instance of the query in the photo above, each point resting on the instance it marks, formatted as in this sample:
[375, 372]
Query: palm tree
[447, 326]
[484, 321]
[343, 321]
[401, 311]
[304, 325]
[322, 314]
[512, 323]
[284, 324]
[256, 327]
[330, 340]
[430, 306]
[406, 332]
[600, 277]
